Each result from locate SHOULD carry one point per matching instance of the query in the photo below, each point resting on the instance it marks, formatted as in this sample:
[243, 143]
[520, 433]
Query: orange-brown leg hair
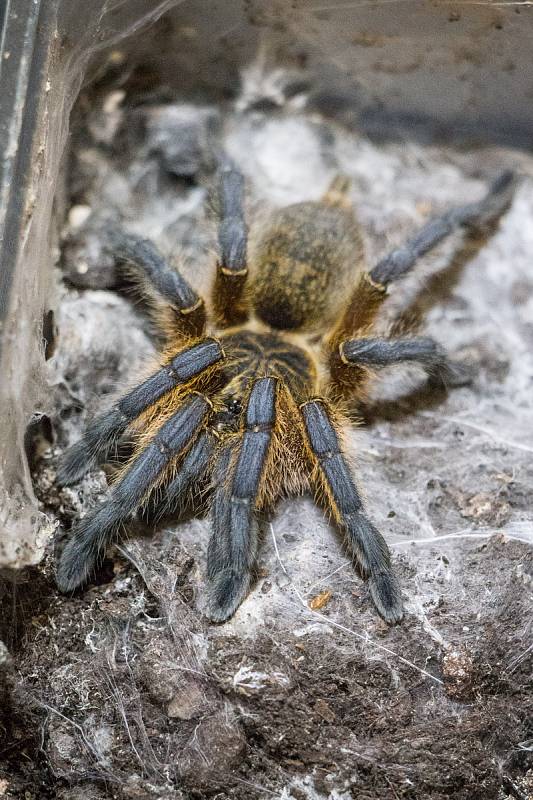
[192, 368]
[228, 296]
[148, 468]
[370, 291]
[178, 311]
[240, 468]
[335, 486]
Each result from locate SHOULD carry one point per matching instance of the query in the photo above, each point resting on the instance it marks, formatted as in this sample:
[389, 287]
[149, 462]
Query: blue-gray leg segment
[143, 256]
[192, 471]
[233, 544]
[229, 304]
[100, 527]
[473, 215]
[232, 232]
[376, 353]
[365, 541]
[103, 432]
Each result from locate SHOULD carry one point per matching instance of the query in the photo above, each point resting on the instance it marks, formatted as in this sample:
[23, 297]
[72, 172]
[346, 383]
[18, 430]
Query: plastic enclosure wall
[45, 50]
[414, 68]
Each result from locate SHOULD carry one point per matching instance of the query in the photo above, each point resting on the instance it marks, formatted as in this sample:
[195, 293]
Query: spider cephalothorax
[247, 398]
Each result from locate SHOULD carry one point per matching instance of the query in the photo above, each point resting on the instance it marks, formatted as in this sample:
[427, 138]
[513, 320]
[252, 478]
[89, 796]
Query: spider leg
[371, 288]
[103, 432]
[335, 482]
[192, 469]
[179, 311]
[100, 527]
[356, 359]
[232, 270]
[233, 544]
[471, 215]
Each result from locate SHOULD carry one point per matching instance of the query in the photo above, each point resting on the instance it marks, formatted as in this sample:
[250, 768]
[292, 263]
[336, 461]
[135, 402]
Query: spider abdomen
[304, 261]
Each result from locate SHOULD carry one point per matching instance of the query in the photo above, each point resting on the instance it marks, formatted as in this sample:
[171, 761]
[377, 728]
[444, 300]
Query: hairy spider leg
[233, 544]
[101, 526]
[102, 434]
[229, 304]
[357, 359]
[371, 287]
[193, 469]
[332, 478]
[179, 312]
[471, 215]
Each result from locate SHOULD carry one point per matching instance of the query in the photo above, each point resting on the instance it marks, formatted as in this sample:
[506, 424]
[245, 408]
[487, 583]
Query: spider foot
[227, 590]
[76, 564]
[86, 546]
[74, 464]
[386, 594]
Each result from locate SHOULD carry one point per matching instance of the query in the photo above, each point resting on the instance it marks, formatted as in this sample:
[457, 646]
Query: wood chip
[320, 600]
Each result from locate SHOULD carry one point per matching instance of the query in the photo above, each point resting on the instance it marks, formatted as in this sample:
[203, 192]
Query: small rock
[324, 710]
[78, 215]
[87, 261]
[160, 675]
[458, 672]
[65, 750]
[525, 573]
[216, 748]
[188, 703]
[5, 658]
[486, 508]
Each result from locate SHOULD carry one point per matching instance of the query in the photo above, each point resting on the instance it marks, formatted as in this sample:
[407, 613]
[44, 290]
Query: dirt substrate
[124, 690]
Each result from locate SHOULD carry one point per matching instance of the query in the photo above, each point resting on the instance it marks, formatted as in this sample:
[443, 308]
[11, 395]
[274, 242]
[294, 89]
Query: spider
[248, 398]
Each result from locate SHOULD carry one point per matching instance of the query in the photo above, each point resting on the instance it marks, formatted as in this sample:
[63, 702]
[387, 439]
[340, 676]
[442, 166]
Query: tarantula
[248, 397]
